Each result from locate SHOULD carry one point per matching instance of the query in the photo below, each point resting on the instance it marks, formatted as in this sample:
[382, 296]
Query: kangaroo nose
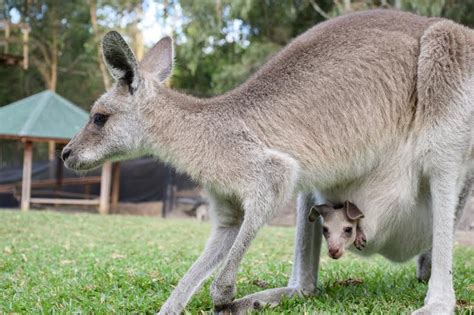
[66, 153]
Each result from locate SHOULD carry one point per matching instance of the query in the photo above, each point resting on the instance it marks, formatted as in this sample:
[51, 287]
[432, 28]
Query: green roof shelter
[45, 116]
[48, 117]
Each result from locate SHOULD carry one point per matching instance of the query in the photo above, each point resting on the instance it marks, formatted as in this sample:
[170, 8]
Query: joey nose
[65, 154]
[335, 253]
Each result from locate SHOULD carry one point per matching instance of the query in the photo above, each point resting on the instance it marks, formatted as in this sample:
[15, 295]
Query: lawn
[70, 263]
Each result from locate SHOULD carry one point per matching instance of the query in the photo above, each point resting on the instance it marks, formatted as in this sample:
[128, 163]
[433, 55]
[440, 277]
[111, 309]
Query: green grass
[65, 263]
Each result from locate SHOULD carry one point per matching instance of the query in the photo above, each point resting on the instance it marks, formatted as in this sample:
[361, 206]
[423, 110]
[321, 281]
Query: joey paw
[360, 242]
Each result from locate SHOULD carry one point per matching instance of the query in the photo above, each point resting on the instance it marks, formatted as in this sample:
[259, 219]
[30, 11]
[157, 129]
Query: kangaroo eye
[325, 230]
[348, 230]
[99, 119]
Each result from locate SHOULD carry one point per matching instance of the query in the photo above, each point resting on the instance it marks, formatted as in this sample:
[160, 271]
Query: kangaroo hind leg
[444, 114]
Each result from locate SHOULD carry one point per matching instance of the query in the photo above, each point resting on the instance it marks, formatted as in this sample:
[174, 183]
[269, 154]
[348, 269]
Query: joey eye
[325, 230]
[348, 230]
[99, 119]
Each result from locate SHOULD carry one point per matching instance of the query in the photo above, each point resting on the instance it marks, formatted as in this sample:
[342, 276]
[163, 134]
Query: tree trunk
[137, 35]
[54, 50]
[54, 62]
[347, 6]
[49, 50]
[100, 60]
[398, 4]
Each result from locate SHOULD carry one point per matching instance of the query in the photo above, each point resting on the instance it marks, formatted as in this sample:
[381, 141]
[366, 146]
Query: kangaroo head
[117, 121]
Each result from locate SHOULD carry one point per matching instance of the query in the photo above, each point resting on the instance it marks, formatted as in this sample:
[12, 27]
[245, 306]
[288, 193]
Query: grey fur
[423, 263]
[372, 107]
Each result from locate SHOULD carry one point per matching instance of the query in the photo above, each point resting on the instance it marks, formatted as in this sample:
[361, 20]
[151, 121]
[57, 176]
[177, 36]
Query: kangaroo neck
[183, 130]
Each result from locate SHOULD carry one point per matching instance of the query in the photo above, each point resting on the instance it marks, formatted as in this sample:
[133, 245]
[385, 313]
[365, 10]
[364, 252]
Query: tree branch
[318, 9]
[42, 48]
[73, 63]
[70, 71]
[95, 27]
[42, 69]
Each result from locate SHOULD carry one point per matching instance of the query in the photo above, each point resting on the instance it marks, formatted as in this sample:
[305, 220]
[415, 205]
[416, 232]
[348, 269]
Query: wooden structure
[13, 45]
[46, 117]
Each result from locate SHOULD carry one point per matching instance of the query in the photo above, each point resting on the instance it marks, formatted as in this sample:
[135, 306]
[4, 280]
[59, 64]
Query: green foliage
[425, 7]
[227, 41]
[460, 11]
[82, 263]
[67, 24]
[222, 42]
[231, 75]
[207, 67]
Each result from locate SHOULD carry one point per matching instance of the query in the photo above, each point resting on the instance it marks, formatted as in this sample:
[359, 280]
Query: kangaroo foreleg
[305, 264]
[217, 247]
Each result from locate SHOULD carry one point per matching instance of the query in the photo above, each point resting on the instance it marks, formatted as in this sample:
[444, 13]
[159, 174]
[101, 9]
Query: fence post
[26, 180]
[168, 198]
[104, 201]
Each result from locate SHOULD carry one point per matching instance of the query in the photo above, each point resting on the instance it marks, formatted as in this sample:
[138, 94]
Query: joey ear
[120, 60]
[313, 214]
[158, 61]
[317, 211]
[352, 212]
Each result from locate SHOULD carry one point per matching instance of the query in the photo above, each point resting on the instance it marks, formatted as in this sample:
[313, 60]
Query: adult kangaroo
[375, 107]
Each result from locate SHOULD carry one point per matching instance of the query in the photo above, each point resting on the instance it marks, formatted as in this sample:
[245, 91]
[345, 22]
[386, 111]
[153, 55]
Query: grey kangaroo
[374, 107]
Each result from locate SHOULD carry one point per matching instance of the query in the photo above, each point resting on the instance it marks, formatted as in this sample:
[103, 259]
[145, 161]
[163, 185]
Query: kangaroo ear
[317, 211]
[158, 61]
[352, 212]
[120, 60]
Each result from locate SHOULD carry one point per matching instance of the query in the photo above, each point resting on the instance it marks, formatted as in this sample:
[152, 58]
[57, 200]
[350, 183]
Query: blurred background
[219, 43]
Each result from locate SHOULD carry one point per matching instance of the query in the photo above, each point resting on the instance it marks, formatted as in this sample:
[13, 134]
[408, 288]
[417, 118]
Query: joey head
[341, 226]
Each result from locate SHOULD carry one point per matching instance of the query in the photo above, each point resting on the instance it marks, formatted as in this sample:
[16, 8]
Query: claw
[359, 244]
[257, 305]
[222, 309]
